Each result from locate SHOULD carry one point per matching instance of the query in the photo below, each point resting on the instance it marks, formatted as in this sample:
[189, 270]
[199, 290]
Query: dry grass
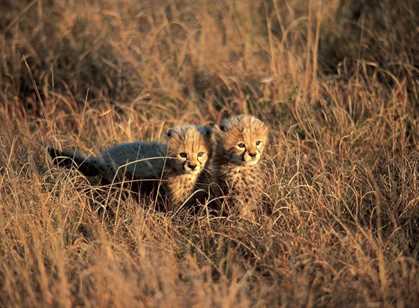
[343, 228]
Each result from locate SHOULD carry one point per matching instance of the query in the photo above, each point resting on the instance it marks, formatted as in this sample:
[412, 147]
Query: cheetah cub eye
[241, 145]
[183, 155]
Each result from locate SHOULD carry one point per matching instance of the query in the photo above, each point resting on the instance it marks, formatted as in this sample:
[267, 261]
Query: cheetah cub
[240, 143]
[189, 149]
[174, 167]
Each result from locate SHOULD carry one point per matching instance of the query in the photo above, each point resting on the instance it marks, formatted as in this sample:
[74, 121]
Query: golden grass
[343, 220]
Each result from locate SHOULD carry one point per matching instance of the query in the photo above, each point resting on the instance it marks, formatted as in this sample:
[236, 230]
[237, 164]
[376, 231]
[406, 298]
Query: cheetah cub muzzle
[240, 143]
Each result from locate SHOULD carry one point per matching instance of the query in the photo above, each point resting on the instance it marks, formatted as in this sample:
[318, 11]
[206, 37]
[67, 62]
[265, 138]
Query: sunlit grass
[341, 218]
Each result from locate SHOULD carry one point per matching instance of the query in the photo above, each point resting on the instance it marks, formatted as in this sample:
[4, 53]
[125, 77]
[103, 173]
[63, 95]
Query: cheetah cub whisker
[241, 140]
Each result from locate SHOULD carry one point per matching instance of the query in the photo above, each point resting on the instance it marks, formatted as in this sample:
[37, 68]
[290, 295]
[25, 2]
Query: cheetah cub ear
[217, 131]
[205, 131]
[171, 132]
[223, 127]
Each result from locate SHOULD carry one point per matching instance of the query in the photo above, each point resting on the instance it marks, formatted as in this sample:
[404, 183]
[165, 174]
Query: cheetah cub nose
[192, 166]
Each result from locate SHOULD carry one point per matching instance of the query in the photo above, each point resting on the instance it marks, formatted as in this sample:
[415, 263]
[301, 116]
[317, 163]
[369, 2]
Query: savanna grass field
[337, 83]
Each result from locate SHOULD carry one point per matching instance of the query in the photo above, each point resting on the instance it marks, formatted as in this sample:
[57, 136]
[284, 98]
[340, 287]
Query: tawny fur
[174, 166]
[237, 162]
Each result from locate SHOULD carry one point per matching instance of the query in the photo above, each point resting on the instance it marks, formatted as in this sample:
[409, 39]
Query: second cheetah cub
[239, 172]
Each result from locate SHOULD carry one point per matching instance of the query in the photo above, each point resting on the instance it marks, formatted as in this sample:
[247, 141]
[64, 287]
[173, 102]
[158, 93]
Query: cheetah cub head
[242, 139]
[189, 147]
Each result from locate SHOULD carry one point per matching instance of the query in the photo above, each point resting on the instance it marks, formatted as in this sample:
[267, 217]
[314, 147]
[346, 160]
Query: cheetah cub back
[240, 143]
